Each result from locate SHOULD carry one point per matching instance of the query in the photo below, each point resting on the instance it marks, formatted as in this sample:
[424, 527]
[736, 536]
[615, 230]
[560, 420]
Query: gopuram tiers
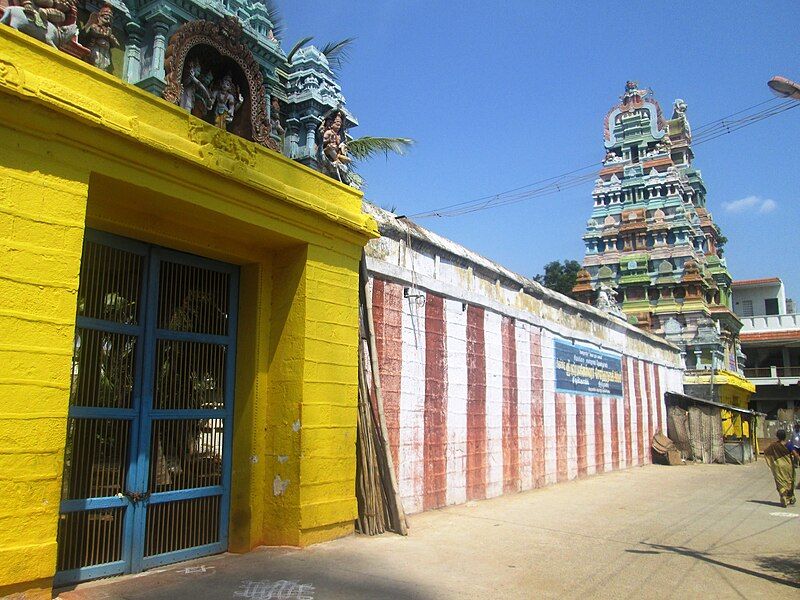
[653, 252]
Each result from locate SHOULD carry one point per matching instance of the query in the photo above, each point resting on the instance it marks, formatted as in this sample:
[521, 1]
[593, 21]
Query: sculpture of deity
[333, 147]
[226, 101]
[679, 112]
[101, 38]
[195, 96]
[49, 21]
[275, 118]
[48, 11]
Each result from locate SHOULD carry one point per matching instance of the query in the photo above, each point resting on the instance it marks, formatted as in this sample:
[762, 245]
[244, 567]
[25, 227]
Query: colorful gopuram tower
[653, 252]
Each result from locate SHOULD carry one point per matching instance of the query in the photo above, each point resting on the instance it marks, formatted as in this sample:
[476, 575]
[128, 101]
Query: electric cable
[570, 179]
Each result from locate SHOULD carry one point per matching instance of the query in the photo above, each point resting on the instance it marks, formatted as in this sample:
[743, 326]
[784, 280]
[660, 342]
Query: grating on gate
[147, 455]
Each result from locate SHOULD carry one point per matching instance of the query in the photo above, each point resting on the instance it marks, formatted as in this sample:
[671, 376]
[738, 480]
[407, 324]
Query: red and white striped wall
[472, 409]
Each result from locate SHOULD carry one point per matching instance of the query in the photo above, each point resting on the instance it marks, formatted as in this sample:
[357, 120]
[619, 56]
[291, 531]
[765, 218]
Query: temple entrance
[148, 449]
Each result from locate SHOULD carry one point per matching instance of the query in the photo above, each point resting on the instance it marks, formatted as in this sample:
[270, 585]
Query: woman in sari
[779, 459]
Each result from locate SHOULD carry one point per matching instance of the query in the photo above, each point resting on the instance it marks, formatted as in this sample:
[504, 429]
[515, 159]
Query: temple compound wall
[493, 384]
[99, 182]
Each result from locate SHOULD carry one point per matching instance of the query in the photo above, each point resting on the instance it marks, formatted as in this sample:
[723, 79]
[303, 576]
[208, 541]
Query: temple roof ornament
[679, 124]
[634, 102]
[211, 60]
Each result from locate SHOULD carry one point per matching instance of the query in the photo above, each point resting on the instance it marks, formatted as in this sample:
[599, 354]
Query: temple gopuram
[653, 251]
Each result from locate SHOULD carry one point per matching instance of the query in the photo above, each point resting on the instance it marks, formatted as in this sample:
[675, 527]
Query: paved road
[700, 531]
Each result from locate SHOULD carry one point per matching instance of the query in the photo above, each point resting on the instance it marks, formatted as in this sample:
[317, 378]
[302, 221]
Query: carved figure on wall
[226, 101]
[36, 22]
[49, 11]
[275, 118]
[101, 38]
[664, 146]
[195, 96]
[611, 157]
[606, 300]
[333, 154]
[229, 73]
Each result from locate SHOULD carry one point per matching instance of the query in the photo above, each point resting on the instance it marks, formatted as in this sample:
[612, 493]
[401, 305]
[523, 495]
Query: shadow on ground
[788, 566]
[766, 503]
[262, 575]
[778, 564]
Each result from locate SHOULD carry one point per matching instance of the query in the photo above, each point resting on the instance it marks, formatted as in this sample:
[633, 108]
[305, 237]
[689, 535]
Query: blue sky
[501, 94]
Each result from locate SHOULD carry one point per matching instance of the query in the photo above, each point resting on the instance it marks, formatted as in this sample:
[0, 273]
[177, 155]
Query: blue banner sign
[584, 370]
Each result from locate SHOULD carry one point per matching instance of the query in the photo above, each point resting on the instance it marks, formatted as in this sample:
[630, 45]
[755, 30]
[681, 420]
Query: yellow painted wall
[81, 148]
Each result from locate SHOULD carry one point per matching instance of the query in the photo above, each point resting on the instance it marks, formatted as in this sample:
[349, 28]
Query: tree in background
[559, 276]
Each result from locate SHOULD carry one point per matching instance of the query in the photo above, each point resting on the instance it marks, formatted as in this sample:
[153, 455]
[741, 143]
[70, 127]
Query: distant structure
[771, 340]
[653, 248]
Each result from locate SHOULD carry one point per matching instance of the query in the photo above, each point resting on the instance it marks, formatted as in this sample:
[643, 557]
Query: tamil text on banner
[584, 370]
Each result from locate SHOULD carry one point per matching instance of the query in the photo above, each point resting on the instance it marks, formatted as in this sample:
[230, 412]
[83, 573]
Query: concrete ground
[668, 532]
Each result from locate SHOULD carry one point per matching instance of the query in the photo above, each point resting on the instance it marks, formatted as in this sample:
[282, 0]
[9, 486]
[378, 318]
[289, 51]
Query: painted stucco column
[133, 52]
[292, 137]
[311, 136]
[43, 206]
[313, 390]
[161, 25]
[155, 80]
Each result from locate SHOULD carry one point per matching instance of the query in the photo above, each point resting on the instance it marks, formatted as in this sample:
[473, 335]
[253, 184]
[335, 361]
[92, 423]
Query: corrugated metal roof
[697, 400]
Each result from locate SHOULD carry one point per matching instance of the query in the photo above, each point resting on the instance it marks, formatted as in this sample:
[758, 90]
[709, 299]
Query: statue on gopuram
[226, 101]
[334, 156]
[100, 38]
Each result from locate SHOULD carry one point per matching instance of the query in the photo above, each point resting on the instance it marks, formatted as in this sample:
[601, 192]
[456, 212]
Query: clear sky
[500, 94]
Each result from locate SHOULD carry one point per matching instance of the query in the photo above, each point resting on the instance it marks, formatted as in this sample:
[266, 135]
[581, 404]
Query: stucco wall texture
[468, 378]
[81, 148]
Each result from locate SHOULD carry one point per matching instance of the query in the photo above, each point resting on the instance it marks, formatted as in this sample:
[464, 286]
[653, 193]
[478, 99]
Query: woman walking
[779, 459]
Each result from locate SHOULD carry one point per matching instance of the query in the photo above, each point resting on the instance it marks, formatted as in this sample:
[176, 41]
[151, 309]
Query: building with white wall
[770, 339]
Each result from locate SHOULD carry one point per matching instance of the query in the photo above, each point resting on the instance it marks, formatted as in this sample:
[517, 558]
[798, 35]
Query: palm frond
[368, 146]
[338, 53]
[297, 47]
[275, 17]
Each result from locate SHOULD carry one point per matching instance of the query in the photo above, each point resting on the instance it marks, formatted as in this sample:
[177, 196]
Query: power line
[570, 179]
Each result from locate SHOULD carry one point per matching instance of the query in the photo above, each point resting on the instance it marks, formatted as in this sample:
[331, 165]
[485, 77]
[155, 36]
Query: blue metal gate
[148, 454]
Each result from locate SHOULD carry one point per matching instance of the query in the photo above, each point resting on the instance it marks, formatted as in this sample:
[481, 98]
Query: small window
[747, 308]
[771, 306]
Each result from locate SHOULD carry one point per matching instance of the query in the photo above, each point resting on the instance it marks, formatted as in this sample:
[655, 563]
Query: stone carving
[275, 118]
[664, 146]
[679, 113]
[333, 147]
[612, 158]
[691, 268]
[672, 327]
[195, 89]
[213, 55]
[606, 300]
[226, 152]
[101, 38]
[633, 96]
[226, 101]
[44, 24]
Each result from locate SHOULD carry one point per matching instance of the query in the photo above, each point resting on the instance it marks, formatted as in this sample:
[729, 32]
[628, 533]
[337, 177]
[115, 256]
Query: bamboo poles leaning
[379, 506]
